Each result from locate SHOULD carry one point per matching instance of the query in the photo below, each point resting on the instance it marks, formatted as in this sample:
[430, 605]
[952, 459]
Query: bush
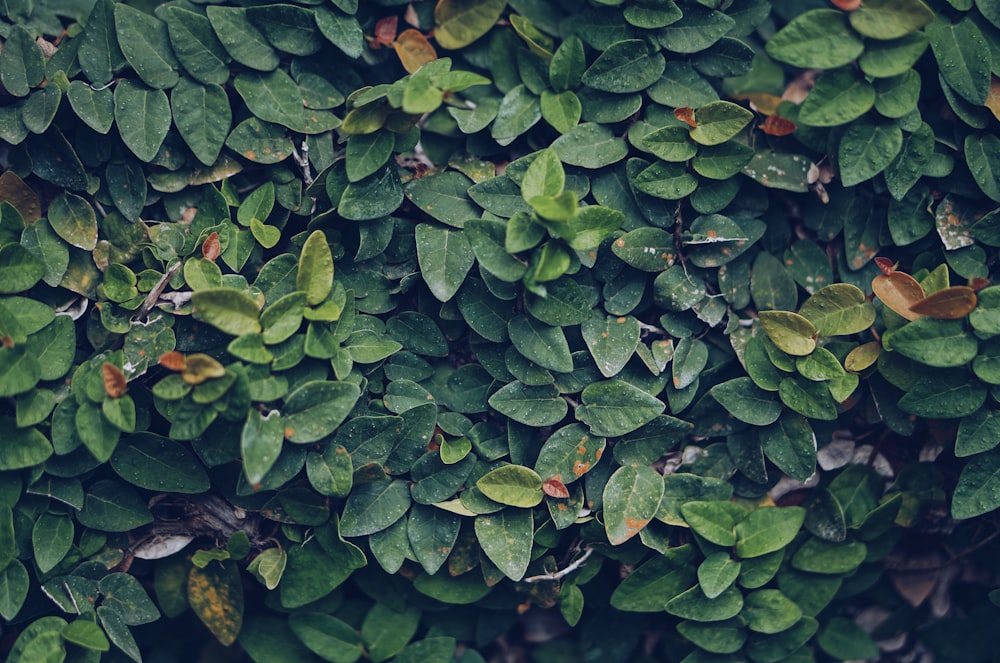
[498, 330]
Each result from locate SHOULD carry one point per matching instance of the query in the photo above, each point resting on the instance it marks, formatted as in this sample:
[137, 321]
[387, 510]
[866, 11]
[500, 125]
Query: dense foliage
[541, 329]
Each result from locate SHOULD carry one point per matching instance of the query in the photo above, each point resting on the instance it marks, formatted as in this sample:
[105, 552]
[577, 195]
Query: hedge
[468, 330]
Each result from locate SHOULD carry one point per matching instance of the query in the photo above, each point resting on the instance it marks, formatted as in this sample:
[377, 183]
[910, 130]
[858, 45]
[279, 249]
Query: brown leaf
[685, 114]
[899, 291]
[114, 380]
[555, 488]
[173, 360]
[977, 283]
[846, 5]
[887, 266]
[775, 125]
[414, 50]
[948, 304]
[211, 248]
[14, 191]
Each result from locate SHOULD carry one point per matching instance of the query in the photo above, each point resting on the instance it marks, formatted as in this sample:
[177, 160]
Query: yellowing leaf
[216, 597]
[14, 191]
[458, 23]
[862, 356]
[414, 50]
[200, 367]
[791, 332]
[993, 98]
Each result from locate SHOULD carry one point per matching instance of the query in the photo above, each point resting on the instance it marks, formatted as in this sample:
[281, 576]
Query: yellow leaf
[993, 98]
[458, 23]
[414, 50]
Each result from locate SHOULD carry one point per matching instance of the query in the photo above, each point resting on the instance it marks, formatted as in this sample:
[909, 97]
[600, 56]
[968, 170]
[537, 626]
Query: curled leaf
[211, 249]
[685, 114]
[173, 360]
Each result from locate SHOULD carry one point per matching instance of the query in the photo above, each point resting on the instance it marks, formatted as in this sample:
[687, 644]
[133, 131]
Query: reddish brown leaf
[899, 291]
[414, 50]
[211, 248]
[555, 488]
[114, 380]
[977, 283]
[685, 114]
[385, 32]
[173, 361]
[846, 5]
[14, 191]
[775, 125]
[948, 304]
[887, 266]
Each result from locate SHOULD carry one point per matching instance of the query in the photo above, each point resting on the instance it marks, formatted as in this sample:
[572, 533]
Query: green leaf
[244, 42]
[289, 28]
[866, 149]
[342, 31]
[668, 143]
[197, 48]
[23, 447]
[519, 111]
[631, 498]
[926, 339]
[977, 433]
[157, 463]
[372, 507]
[315, 275]
[569, 453]
[113, 506]
[227, 309]
[444, 196]
[791, 445]
[260, 444]
[445, 258]
[978, 488]
[713, 520]
[562, 111]
[142, 115]
[326, 636]
[544, 177]
[810, 399]
[771, 286]
[506, 538]
[202, 116]
[74, 220]
[719, 121]
[818, 556]
[770, 611]
[315, 409]
[144, 41]
[696, 606]
[95, 107]
[843, 639]
[816, 39]
[590, 145]
[530, 405]
[19, 269]
[625, 66]
[366, 153]
[458, 23]
[717, 574]
[22, 65]
[839, 309]
[891, 19]
[767, 529]
[513, 485]
[958, 49]
[700, 27]
[274, 97]
[982, 154]
[747, 402]
[14, 585]
[614, 407]
[374, 197]
[611, 341]
[542, 344]
[839, 97]
[943, 395]
[670, 181]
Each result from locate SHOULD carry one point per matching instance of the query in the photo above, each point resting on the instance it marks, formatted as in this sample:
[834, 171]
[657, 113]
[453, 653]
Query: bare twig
[302, 160]
[577, 563]
[154, 294]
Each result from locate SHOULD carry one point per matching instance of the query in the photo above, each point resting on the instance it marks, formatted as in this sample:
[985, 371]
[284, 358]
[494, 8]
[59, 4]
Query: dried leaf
[993, 98]
[385, 32]
[14, 191]
[899, 291]
[846, 5]
[555, 488]
[211, 249]
[775, 125]
[173, 360]
[200, 367]
[685, 114]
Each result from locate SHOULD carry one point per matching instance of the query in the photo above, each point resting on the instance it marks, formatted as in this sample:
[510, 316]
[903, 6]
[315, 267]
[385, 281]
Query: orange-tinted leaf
[114, 380]
[899, 291]
[414, 50]
[847, 5]
[762, 102]
[211, 249]
[14, 191]
[385, 32]
[775, 125]
[173, 360]
[200, 367]
[977, 283]
[685, 114]
[555, 488]
[948, 304]
[216, 597]
[887, 266]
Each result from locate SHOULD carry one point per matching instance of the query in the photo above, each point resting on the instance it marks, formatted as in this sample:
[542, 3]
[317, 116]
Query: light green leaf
[625, 66]
[513, 485]
[227, 309]
[506, 538]
[839, 96]
[768, 529]
[839, 309]
[458, 23]
[445, 258]
[719, 121]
